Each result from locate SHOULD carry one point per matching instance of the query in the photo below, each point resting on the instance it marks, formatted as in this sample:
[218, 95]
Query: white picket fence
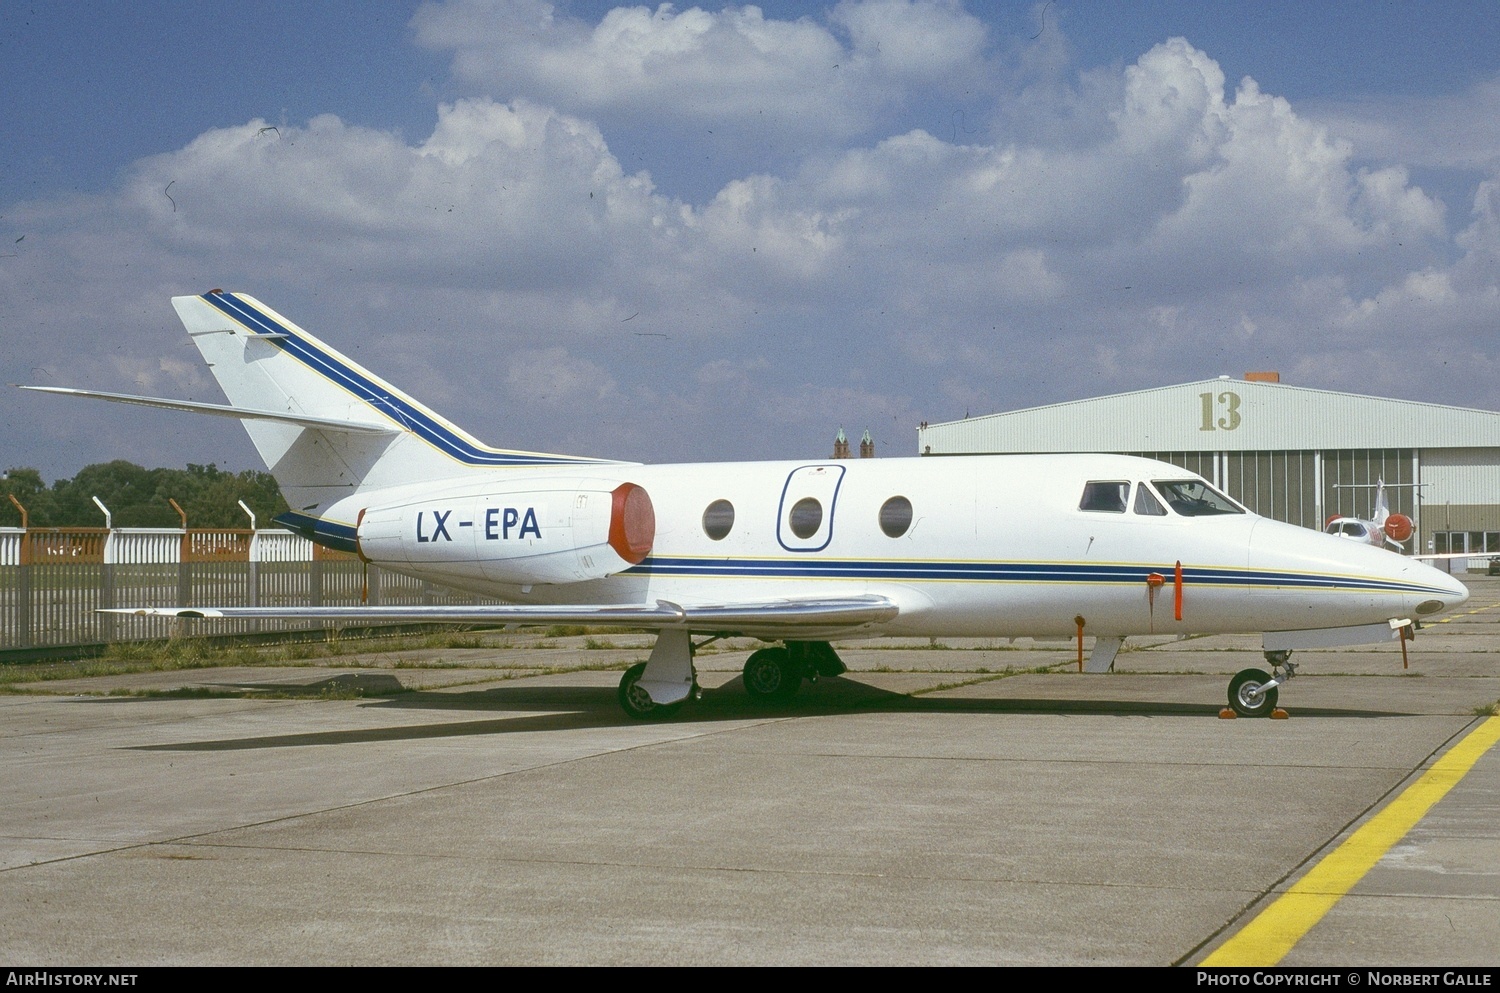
[54, 581]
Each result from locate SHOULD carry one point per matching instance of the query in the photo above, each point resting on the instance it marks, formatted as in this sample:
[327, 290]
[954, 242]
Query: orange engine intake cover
[632, 523]
[1398, 527]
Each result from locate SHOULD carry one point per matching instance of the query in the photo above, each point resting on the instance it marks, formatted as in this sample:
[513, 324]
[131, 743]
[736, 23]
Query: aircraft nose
[1393, 585]
[1449, 592]
[1429, 591]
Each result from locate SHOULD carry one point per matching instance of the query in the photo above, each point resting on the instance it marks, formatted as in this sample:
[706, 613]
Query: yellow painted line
[1266, 940]
[1467, 613]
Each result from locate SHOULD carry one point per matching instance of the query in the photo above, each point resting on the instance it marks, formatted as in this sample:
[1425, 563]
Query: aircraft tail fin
[340, 427]
[1382, 504]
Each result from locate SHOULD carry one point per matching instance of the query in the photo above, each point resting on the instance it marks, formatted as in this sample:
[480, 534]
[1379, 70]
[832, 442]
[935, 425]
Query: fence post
[106, 622]
[252, 578]
[184, 560]
[23, 578]
[252, 583]
[315, 577]
[107, 587]
[184, 571]
[23, 592]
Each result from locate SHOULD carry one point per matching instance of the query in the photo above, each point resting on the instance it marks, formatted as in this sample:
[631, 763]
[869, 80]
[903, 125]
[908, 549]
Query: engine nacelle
[1398, 527]
[539, 531]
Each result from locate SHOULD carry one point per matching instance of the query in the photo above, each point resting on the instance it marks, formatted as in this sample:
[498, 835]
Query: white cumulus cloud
[516, 270]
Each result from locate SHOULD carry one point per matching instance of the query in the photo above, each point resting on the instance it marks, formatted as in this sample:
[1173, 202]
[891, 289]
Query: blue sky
[723, 232]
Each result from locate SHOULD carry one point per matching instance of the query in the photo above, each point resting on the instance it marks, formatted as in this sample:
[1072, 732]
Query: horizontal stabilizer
[821, 614]
[223, 410]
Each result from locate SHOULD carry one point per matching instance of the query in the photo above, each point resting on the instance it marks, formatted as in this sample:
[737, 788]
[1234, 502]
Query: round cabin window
[806, 517]
[718, 519]
[895, 516]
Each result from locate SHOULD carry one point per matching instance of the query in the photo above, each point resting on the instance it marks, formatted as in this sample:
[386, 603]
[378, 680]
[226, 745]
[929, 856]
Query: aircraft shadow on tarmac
[583, 707]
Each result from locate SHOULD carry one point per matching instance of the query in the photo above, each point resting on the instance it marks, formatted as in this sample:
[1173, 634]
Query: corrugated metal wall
[1460, 475]
[1350, 478]
[1222, 415]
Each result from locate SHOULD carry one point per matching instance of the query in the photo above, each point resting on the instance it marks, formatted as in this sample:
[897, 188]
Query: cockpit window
[1195, 498]
[1106, 496]
[1147, 504]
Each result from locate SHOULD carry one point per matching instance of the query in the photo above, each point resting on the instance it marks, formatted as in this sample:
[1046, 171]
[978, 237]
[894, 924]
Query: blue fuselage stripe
[329, 534]
[1009, 572]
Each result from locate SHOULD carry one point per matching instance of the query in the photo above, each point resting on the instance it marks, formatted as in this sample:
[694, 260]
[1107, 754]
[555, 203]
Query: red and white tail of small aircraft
[796, 553]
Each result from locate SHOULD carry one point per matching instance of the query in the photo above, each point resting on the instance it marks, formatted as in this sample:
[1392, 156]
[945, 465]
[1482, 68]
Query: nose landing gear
[1252, 692]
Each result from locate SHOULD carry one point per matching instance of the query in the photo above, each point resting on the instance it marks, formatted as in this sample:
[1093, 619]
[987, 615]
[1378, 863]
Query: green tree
[141, 498]
[211, 497]
[25, 485]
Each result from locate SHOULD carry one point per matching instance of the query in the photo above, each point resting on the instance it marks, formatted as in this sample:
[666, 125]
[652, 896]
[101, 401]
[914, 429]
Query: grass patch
[580, 630]
[126, 657]
[956, 683]
[986, 676]
[427, 664]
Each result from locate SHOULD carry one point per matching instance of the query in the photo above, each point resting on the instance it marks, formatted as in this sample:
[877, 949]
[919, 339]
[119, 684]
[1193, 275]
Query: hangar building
[1295, 454]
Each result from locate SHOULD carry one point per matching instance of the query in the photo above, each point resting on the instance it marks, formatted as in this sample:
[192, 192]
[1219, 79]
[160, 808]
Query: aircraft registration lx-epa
[797, 554]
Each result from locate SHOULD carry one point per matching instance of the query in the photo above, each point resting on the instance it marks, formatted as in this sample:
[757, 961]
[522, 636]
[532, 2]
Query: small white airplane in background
[799, 552]
[1385, 528]
[1382, 527]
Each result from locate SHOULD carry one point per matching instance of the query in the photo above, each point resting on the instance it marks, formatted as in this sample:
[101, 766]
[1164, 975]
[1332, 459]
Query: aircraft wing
[1457, 555]
[223, 410]
[771, 616]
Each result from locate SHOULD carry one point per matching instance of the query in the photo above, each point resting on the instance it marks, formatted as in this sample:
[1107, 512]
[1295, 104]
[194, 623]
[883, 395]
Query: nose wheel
[1252, 692]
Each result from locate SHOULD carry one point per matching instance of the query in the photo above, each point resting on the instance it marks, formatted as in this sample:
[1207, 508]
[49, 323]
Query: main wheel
[1249, 695]
[769, 674]
[636, 702]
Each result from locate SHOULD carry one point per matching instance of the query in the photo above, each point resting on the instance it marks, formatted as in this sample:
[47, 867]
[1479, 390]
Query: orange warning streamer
[1079, 621]
[1177, 592]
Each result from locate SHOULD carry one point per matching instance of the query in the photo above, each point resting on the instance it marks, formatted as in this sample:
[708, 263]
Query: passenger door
[804, 520]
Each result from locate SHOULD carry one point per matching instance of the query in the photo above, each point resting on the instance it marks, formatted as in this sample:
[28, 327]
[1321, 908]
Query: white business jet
[794, 553]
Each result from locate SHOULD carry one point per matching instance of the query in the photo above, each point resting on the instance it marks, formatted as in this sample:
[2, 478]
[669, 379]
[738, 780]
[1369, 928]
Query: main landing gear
[636, 702]
[1252, 692]
[657, 688]
[775, 674]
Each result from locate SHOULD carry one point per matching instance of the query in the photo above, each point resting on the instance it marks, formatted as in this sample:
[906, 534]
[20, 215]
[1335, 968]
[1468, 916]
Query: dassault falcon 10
[796, 553]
